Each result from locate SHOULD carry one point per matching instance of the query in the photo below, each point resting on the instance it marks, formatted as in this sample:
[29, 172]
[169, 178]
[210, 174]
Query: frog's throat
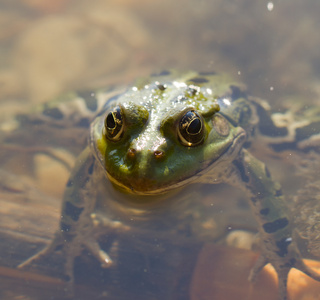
[229, 153]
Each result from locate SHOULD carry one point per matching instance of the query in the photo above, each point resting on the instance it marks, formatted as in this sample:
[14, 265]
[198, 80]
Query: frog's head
[162, 136]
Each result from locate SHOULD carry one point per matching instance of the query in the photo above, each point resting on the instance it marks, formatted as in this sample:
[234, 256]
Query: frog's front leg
[275, 227]
[76, 225]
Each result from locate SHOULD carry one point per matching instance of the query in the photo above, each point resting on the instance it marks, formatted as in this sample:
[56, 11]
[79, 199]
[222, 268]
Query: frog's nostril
[131, 153]
[158, 154]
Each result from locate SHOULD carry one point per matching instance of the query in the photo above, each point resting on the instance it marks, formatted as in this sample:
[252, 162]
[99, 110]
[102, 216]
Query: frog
[150, 141]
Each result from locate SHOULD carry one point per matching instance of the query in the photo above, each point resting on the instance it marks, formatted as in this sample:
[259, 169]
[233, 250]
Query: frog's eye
[113, 124]
[191, 129]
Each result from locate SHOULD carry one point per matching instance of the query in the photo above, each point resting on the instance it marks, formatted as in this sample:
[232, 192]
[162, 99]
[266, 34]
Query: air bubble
[270, 6]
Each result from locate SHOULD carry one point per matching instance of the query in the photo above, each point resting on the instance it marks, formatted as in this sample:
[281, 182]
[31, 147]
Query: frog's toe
[93, 246]
[33, 258]
[282, 269]
[258, 266]
[301, 266]
[282, 273]
[52, 247]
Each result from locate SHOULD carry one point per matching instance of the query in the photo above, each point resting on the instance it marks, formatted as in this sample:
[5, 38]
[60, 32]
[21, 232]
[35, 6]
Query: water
[47, 49]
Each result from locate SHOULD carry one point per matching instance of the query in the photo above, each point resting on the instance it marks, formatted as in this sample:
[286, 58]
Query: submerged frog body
[160, 136]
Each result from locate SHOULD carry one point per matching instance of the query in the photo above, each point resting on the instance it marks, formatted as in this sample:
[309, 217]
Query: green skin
[151, 156]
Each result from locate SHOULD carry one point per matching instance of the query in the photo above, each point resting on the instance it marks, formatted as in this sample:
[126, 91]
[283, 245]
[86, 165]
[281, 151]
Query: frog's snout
[139, 171]
[133, 154]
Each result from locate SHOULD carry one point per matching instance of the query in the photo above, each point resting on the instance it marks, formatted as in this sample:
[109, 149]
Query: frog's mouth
[146, 186]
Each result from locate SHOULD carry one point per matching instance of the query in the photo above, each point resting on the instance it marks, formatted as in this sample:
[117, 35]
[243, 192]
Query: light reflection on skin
[226, 101]
[179, 84]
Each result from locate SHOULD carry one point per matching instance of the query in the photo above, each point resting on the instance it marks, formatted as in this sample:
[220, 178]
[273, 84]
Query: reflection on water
[49, 48]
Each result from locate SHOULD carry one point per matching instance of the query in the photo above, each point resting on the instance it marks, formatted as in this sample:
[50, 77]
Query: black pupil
[194, 127]
[110, 121]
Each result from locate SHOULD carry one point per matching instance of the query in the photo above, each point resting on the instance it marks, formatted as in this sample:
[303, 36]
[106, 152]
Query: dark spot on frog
[191, 91]
[162, 73]
[54, 113]
[90, 99]
[239, 165]
[65, 227]
[198, 80]
[84, 123]
[161, 87]
[305, 132]
[73, 211]
[272, 227]
[264, 211]
[283, 246]
[278, 193]
[91, 168]
[208, 73]
[237, 93]
[266, 125]
[267, 172]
